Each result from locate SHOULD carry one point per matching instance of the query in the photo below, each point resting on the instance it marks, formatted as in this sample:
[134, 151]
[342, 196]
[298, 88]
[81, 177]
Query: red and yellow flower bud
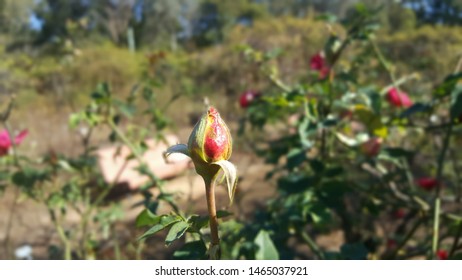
[210, 140]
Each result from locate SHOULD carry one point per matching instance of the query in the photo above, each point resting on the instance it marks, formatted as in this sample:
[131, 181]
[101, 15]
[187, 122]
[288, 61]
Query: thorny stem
[211, 206]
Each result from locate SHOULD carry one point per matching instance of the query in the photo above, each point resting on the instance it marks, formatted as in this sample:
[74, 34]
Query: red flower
[399, 213]
[318, 63]
[398, 99]
[442, 254]
[371, 147]
[5, 141]
[427, 183]
[248, 97]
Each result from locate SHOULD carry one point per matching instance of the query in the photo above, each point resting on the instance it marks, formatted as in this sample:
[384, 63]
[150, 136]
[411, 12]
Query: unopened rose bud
[398, 98]
[427, 183]
[210, 140]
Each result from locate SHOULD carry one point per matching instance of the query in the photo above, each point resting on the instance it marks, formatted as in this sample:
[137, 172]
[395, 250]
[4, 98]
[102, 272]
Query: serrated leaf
[146, 218]
[165, 221]
[176, 231]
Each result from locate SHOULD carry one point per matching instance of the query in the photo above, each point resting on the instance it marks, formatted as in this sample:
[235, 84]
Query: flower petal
[179, 148]
[21, 136]
[231, 176]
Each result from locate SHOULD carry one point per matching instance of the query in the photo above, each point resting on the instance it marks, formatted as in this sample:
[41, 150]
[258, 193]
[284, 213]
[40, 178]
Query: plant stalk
[436, 227]
[211, 206]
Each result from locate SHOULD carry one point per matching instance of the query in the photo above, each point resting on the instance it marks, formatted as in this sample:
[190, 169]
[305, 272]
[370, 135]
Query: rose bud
[248, 97]
[318, 63]
[6, 143]
[371, 147]
[210, 147]
[442, 254]
[427, 183]
[210, 140]
[398, 99]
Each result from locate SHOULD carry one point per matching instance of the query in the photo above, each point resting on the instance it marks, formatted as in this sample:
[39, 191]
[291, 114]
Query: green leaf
[223, 213]
[231, 177]
[146, 218]
[295, 157]
[415, 108]
[176, 231]
[448, 85]
[28, 177]
[266, 249]
[320, 214]
[191, 251]
[179, 148]
[198, 222]
[456, 102]
[164, 221]
[317, 166]
[295, 183]
[74, 120]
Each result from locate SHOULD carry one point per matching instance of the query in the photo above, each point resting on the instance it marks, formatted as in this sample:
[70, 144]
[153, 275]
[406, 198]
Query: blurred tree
[437, 11]
[55, 15]
[300, 8]
[14, 15]
[215, 17]
[159, 21]
[113, 18]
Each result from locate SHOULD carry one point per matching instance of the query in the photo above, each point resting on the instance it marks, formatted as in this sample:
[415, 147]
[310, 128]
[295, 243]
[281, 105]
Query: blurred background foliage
[61, 48]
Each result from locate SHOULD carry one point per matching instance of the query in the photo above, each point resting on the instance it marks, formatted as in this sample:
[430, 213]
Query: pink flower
[318, 62]
[248, 97]
[442, 254]
[371, 147]
[398, 99]
[5, 141]
[427, 183]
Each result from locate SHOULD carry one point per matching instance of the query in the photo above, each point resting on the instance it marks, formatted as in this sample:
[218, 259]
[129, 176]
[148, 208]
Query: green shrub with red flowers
[378, 163]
